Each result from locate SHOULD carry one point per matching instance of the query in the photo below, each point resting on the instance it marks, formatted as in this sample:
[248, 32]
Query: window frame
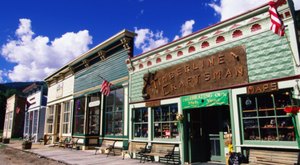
[113, 112]
[50, 112]
[169, 122]
[67, 105]
[259, 117]
[134, 123]
[98, 96]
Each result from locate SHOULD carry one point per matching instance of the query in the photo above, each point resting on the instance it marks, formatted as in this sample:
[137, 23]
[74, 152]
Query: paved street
[76, 157]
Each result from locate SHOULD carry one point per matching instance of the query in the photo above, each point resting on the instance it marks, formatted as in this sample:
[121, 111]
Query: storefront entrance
[204, 133]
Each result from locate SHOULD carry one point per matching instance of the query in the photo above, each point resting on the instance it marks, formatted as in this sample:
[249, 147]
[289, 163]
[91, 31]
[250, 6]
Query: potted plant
[26, 144]
[5, 140]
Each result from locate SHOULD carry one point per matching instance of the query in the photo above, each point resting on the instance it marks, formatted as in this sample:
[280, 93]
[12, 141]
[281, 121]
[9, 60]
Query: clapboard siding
[268, 57]
[112, 68]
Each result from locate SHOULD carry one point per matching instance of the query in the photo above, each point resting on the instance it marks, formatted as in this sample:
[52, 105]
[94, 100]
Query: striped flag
[105, 87]
[277, 25]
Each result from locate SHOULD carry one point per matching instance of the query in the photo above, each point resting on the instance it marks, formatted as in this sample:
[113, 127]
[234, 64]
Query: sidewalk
[76, 157]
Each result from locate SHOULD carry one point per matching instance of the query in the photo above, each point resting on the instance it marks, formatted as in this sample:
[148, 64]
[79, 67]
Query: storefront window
[264, 118]
[94, 114]
[114, 112]
[66, 117]
[49, 122]
[79, 115]
[35, 120]
[165, 124]
[140, 122]
[26, 131]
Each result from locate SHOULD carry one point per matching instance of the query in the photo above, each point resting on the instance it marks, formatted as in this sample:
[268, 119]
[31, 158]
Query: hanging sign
[205, 100]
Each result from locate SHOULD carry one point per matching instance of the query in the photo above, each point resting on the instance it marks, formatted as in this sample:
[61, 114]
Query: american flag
[105, 87]
[277, 25]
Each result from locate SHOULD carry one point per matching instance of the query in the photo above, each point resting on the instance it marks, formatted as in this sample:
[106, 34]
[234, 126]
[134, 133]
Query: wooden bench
[135, 147]
[162, 150]
[273, 157]
[109, 146]
[72, 142]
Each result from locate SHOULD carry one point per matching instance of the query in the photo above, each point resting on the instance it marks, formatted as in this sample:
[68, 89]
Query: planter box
[26, 146]
[6, 141]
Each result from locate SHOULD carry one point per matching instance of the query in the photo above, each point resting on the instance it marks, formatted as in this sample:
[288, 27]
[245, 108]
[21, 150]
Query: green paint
[205, 100]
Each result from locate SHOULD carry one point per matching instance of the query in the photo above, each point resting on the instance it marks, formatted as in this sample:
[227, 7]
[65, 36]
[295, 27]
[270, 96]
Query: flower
[179, 117]
[291, 109]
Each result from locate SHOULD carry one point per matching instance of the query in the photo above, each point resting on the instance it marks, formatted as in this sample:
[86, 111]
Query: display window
[49, 120]
[114, 109]
[263, 116]
[79, 113]
[164, 121]
[66, 117]
[94, 114]
[140, 122]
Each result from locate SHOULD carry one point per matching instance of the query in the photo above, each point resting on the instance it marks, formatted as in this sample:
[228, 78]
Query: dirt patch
[11, 156]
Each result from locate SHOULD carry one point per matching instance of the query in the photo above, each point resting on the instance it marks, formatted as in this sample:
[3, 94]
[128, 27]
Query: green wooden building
[230, 81]
[96, 116]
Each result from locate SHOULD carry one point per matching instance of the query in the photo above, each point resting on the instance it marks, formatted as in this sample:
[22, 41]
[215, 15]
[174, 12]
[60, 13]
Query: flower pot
[6, 140]
[26, 145]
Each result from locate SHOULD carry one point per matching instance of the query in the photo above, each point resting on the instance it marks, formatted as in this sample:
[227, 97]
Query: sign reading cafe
[221, 69]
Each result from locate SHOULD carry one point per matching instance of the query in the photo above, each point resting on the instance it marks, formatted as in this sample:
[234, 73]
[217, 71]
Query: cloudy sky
[37, 38]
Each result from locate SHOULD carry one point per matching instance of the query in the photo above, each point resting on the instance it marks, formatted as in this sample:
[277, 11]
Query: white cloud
[231, 8]
[37, 57]
[186, 29]
[147, 39]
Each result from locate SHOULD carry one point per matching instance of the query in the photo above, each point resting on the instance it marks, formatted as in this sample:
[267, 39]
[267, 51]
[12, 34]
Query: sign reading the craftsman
[222, 69]
[262, 88]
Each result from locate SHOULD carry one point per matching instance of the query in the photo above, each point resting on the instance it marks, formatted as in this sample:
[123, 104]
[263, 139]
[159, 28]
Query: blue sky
[38, 37]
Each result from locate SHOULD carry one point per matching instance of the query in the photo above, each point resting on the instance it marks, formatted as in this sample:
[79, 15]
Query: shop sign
[205, 100]
[219, 70]
[262, 88]
[153, 103]
[94, 103]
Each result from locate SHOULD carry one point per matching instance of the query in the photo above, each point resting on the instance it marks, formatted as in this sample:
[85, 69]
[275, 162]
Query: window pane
[108, 124]
[94, 118]
[140, 123]
[114, 112]
[165, 124]
[271, 123]
[79, 115]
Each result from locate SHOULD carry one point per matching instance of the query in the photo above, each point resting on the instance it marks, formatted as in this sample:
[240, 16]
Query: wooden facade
[14, 117]
[35, 109]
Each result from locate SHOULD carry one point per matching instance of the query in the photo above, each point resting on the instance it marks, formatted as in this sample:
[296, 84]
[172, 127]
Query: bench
[72, 142]
[135, 147]
[162, 150]
[273, 157]
[109, 146]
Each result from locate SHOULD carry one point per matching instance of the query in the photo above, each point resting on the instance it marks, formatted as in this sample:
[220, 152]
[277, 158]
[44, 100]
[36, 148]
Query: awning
[216, 98]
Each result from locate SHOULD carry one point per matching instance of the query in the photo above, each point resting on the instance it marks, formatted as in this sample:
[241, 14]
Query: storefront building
[35, 108]
[230, 81]
[97, 116]
[58, 121]
[14, 117]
